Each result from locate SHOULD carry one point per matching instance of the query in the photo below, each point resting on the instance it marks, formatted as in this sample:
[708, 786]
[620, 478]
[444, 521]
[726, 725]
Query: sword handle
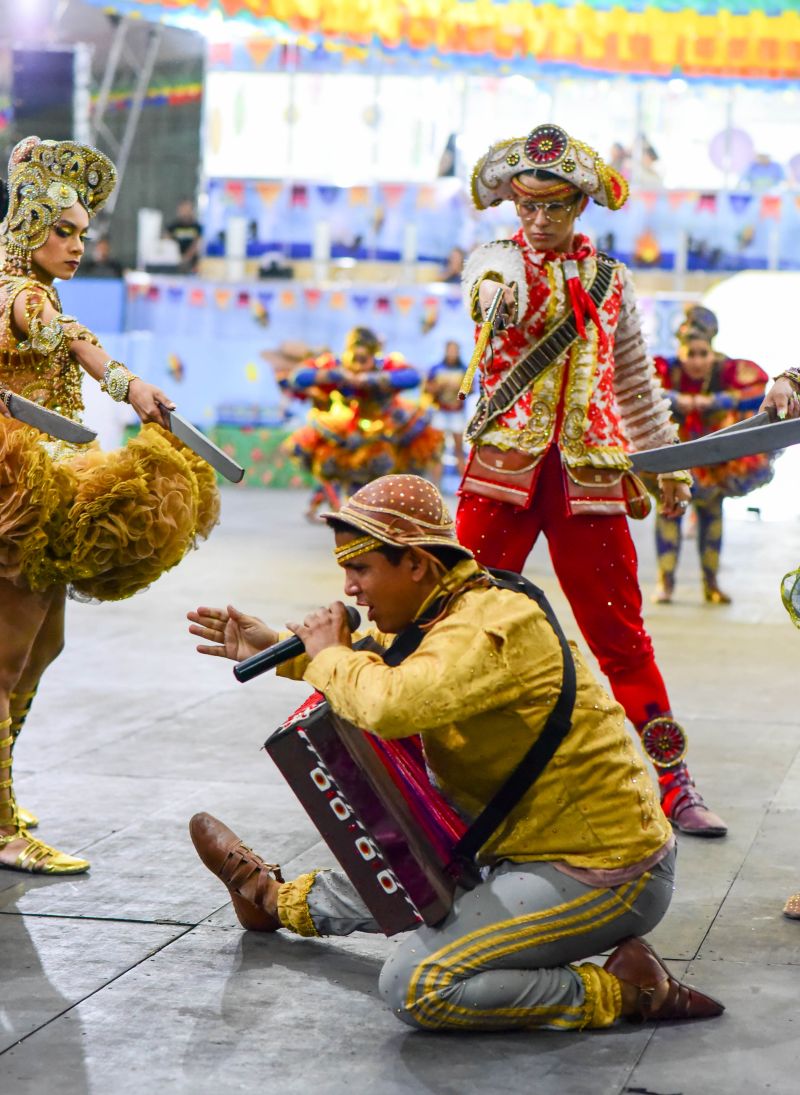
[485, 333]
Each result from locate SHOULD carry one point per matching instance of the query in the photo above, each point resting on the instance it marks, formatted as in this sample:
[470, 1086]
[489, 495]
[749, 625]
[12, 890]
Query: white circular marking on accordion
[366, 848]
[320, 779]
[387, 881]
[340, 808]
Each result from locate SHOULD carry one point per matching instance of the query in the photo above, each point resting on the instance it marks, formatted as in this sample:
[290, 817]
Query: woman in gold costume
[99, 525]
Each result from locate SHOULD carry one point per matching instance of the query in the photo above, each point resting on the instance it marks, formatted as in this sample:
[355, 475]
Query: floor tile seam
[126, 734]
[98, 840]
[88, 996]
[729, 888]
[626, 1082]
[101, 919]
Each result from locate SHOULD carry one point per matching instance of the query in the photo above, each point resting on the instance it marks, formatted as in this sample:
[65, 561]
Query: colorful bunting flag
[299, 196]
[268, 191]
[771, 207]
[739, 202]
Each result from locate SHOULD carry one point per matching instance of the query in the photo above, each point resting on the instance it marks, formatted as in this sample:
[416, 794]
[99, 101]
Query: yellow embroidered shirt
[479, 689]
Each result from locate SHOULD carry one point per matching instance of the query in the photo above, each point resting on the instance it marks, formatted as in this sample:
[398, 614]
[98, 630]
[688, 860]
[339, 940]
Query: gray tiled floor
[137, 977]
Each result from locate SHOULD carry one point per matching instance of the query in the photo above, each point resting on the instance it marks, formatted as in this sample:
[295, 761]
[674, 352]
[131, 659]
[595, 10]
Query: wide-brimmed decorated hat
[401, 510]
[546, 148]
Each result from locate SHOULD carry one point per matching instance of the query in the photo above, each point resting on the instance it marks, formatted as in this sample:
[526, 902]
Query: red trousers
[595, 561]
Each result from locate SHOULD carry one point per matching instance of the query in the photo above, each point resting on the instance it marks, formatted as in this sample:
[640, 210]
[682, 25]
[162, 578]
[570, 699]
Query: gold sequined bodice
[52, 379]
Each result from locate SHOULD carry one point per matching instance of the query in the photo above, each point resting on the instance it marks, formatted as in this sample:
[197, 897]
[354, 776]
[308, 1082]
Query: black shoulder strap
[541, 752]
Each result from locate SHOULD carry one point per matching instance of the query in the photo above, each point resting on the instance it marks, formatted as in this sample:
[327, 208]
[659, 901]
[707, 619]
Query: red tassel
[583, 304]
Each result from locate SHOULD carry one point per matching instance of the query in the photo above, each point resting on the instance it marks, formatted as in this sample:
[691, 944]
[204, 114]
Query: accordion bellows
[375, 807]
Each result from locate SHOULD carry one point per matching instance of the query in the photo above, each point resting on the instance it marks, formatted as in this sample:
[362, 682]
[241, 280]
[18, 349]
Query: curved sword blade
[49, 422]
[204, 447]
[718, 447]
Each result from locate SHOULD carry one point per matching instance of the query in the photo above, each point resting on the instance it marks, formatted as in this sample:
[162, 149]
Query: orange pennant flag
[259, 50]
[771, 207]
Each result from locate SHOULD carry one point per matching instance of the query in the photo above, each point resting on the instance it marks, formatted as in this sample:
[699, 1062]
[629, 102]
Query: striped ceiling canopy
[730, 39]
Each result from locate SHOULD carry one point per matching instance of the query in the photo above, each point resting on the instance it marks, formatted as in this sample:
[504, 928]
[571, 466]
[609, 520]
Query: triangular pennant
[707, 203]
[771, 206]
[259, 49]
[739, 202]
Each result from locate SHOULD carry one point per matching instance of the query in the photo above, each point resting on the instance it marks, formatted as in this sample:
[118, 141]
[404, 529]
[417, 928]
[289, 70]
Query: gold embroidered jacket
[479, 689]
[602, 396]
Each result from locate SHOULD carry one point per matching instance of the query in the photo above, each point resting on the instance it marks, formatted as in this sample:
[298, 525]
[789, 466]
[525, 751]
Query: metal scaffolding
[122, 51]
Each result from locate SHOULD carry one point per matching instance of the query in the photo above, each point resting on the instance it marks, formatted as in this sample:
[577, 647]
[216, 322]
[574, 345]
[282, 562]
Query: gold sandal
[791, 909]
[27, 820]
[39, 858]
[35, 856]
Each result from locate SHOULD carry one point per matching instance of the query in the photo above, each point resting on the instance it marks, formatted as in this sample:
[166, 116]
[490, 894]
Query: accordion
[374, 806]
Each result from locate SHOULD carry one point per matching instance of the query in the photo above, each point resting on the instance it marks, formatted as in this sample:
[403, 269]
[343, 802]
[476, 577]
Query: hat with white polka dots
[402, 510]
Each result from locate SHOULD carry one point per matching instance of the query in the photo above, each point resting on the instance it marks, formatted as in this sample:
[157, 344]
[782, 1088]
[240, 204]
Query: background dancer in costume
[582, 862]
[285, 362]
[104, 524]
[707, 391]
[561, 441]
[367, 430]
[442, 385]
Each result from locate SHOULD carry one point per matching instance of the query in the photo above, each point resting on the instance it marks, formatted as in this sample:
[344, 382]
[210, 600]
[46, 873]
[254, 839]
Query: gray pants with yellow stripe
[504, 956]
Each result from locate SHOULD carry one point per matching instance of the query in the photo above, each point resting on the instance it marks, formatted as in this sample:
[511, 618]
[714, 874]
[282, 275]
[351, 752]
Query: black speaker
[42, 91]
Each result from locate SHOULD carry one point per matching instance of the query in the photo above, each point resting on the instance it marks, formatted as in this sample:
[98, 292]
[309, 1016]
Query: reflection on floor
[137, 978]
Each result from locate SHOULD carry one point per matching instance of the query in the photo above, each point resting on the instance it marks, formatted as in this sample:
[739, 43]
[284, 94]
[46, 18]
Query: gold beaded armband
[116, 380]
[45, 338]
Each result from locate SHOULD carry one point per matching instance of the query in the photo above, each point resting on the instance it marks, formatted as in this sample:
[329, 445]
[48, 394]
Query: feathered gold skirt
[105, 523]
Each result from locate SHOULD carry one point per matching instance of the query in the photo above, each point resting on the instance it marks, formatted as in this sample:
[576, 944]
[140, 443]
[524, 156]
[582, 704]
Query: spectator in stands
[188, 234]
[454, 266]
[763, 174]
[102, 264]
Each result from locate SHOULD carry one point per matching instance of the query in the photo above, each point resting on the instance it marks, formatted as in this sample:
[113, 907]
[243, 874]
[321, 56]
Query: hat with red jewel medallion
[499, 175]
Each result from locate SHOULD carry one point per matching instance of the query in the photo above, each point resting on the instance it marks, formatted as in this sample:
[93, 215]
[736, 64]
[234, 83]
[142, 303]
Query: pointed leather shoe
[235, 864]
[637, 964]
[684, 806]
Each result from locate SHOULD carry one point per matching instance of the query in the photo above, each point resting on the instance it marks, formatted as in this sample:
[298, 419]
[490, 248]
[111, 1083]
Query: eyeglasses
[554, 212]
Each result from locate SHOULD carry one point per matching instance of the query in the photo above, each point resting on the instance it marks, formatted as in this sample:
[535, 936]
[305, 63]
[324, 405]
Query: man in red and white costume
[577, 421]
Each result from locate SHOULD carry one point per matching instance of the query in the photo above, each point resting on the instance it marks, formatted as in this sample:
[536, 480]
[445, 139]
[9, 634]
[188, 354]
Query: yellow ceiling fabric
[725, 38]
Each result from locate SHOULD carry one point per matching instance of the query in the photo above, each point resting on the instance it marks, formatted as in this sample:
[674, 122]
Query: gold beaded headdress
[401, 510]
[44, 178]
[548, 148]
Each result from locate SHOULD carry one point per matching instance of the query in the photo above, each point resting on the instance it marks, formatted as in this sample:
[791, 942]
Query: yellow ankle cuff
[602, 1005]
[293, 905]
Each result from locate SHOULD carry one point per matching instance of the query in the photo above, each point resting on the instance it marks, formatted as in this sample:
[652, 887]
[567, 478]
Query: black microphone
[282, 652]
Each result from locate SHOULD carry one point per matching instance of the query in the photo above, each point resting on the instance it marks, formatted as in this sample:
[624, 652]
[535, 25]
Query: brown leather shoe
[684, 806]
[227, 857]
[637, 964]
